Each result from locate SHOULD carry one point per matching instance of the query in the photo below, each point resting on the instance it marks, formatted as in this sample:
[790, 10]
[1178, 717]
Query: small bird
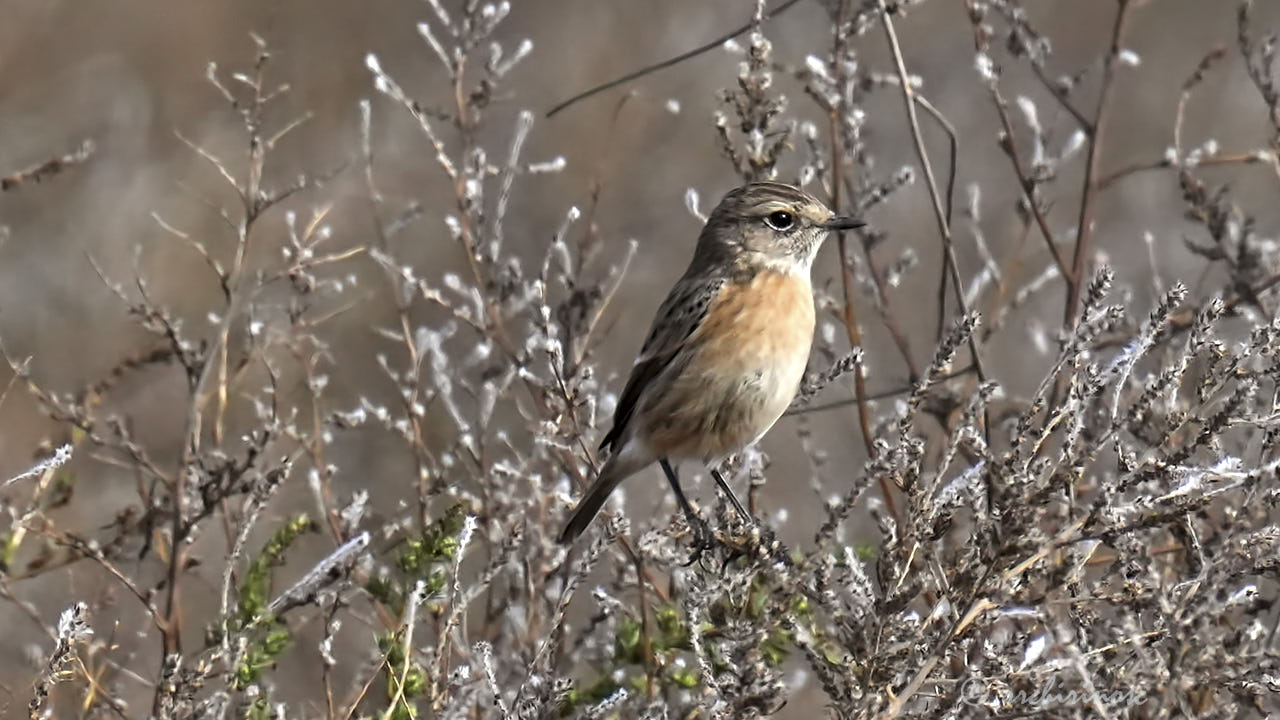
[727, 349]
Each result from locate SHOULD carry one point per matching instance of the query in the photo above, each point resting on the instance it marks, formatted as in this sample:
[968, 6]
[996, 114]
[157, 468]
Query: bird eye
[780, 220]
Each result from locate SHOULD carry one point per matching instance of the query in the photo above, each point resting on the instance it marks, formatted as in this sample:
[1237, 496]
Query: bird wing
[677, 320]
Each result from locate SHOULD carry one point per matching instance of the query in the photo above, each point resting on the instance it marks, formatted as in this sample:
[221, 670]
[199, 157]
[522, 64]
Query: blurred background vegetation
[129, 75]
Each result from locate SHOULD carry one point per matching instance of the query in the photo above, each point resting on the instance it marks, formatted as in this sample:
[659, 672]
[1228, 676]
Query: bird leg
[742, 512]
[704, 539]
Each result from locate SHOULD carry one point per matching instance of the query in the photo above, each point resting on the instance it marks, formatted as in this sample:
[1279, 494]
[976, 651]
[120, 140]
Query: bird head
[771, 225]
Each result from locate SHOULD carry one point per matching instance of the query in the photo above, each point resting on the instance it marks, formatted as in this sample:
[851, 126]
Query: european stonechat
[727, 349]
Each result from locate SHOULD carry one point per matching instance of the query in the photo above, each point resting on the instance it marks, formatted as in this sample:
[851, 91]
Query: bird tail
[615, 470]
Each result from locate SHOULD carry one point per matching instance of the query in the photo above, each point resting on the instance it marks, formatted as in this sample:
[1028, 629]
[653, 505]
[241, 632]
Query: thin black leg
[742, 512]
[689, 514]
[703, 537]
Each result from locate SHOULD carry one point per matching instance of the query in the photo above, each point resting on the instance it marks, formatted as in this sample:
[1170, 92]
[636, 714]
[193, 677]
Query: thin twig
[847, 280]
[649, 69]
[1084, 226]
[1063, 99]
[953, 146]
[881, 395]
[940, 214]
[1245, 158]
[1025, 184]
[48, 168]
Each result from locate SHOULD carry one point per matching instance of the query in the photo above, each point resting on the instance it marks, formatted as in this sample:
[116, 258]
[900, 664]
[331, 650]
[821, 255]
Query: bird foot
[703, 539]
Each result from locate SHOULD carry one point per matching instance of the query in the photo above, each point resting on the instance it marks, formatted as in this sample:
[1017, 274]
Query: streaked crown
[767, 224]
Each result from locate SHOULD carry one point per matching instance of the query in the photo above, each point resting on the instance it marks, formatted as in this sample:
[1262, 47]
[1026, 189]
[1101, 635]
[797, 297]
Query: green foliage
[777, 647]
[866, 551]
[268, 637]
[670, 638]
[8, 550]
[255, 588]
[424, 558]
[673, 631]
[602, 688]
[259, 709]
[686, 677]
[438, 543]
[414, 677]
[627, 641]
[269, 640]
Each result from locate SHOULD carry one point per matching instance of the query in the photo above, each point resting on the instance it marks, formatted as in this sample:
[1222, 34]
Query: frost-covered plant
[1101, 543]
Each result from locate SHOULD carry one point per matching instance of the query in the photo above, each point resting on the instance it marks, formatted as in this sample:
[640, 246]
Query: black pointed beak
[843, 223]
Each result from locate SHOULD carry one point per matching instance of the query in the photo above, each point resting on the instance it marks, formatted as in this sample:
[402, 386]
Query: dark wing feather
[680, 315]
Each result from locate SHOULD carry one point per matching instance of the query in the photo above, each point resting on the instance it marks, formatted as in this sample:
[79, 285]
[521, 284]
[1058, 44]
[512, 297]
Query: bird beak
[843, 223]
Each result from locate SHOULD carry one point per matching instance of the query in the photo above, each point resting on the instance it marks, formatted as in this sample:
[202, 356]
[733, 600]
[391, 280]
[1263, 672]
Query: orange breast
[739, 372]
[764, 322]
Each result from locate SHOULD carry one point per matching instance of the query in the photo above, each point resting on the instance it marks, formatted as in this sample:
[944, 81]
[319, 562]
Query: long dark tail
[610, 475]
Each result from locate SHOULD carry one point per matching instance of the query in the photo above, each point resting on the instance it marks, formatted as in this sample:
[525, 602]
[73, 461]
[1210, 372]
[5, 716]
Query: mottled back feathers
[679, 316]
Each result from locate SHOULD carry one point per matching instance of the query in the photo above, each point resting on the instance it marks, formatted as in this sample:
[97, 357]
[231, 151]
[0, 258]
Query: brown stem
[646, 639]
[854, 330]
[1061, 96]
[890, 321]
[940, 214]
[847, 281]
[1182, 322]
[1026, 185]
[880, 395]
[1084, 229]
[1245, 158]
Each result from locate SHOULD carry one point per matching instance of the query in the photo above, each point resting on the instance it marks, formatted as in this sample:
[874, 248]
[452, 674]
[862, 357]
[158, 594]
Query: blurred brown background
[128, 74]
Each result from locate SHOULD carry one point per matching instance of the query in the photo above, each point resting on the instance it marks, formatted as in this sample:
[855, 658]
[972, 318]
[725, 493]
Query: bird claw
[703, 540]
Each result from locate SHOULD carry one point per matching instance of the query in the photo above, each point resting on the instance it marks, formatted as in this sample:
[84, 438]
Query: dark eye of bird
[780, 220]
